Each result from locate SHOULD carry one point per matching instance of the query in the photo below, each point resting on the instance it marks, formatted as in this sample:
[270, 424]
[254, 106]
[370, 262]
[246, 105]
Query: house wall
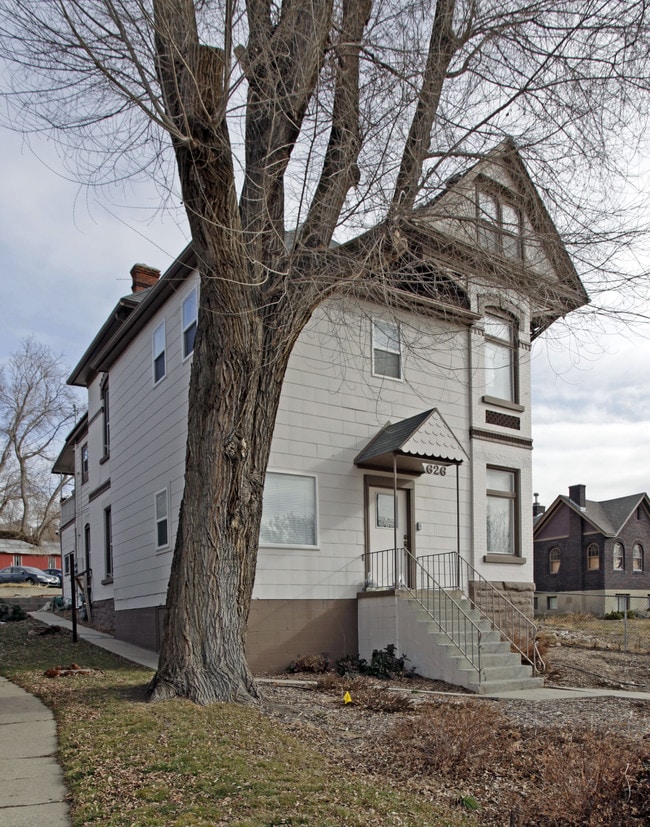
[331, 407]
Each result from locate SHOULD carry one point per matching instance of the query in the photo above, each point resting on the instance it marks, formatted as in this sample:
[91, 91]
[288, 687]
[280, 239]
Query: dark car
[55, 573]
[27, 574]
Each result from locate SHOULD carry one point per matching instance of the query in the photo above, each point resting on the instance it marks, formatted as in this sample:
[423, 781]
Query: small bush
[386, 665]
[614, 616]
[315, 664]
[351, 665]
[10, 612]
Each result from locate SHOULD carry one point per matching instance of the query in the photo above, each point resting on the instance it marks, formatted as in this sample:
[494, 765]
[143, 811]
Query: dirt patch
[561, 762]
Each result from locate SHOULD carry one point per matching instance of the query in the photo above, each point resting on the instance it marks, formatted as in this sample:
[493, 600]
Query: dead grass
[173, 764]
[597, 633]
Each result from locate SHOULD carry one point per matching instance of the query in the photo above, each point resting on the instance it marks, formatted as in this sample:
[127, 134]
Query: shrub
[351, 664]
[614, 616]
[385, 664]
[11, 612]
[316, 664]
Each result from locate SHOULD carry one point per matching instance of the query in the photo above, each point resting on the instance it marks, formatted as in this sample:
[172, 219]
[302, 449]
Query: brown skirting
[278, 630]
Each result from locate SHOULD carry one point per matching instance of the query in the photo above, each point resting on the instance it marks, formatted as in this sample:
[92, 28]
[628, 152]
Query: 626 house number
[436, 470]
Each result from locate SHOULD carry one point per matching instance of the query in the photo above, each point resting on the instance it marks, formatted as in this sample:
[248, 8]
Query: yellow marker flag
[347, 698]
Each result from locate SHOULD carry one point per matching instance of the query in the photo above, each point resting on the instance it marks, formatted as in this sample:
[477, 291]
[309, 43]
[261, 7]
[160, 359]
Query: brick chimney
[538, 508]
[143, 277]
[578, 494]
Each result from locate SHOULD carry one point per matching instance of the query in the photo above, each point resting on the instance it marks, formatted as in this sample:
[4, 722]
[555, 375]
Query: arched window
[637, 557]
[618, 557]
[593, 557]
[554, 560]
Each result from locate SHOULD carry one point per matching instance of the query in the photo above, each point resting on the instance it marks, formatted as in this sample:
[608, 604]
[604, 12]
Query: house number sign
[436, 470]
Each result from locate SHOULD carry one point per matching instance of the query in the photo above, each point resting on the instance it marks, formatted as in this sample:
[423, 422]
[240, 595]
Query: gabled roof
[128, 315]
[551, 299]
[64, 463]
[609, 516]
[425, 437]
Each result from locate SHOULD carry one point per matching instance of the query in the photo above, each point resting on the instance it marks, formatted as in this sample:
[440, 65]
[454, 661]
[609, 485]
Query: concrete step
[490, 687]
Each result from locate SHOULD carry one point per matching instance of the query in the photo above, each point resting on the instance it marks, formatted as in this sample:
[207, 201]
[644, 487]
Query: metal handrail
[397, 569]
[454, 572]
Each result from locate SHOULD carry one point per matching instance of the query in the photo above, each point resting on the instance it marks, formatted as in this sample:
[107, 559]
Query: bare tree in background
[316, 116]
[36, 407]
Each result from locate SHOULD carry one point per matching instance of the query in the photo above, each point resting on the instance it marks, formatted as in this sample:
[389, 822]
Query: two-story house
[592, 556]
[402, 443]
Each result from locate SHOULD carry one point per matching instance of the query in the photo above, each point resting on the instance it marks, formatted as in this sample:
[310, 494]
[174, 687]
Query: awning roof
[423, 438]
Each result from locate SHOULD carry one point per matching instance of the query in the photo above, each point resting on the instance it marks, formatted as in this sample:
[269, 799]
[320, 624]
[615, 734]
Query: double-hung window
[189, 312]
[499, 225]
[158, 343]
[637, 557]
[84, 462]
[162, 519]
[500, 356]
[386, 349]
[108, 543]
[501, 511]
[106, 423]
[618, 557]
[289, 515]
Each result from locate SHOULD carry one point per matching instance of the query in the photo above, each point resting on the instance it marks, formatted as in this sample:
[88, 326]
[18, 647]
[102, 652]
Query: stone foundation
[521, 595]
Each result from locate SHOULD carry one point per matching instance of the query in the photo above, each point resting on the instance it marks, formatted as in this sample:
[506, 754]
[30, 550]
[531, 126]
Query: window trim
[108, 546]
[590, 548]
[511, 346]
[155, 355]
[554, 556]
[514, 497]
[106, 423]
[195, 321]
[314, 478]
[495, 228]
[618, 545]
[635, 557]
[84, 463]
[165, 519]
[398, 352]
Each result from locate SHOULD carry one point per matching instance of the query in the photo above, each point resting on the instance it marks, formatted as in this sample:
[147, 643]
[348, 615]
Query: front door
[383, 559]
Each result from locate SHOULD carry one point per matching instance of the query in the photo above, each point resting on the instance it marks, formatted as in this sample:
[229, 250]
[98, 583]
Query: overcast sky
[66, 261]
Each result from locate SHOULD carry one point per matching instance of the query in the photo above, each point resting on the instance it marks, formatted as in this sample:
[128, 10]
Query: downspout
[395, 552]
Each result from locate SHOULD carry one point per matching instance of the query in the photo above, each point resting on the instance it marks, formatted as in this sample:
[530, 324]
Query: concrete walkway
[32, 792]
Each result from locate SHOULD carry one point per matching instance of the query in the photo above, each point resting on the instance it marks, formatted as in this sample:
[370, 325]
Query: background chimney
[578, 494]
[538, 508]
[143, 277]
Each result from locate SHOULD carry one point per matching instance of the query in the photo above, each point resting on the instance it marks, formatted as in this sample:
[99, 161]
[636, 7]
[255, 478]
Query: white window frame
[637, 557]
[268, 544]
[513, 498]
[157, 352]
[108, 543]
[507, 346]
[84, 463]
[185, 327]
[618, 553]
[106, 420]
[495, 232]
[383, 348]
[158, 519]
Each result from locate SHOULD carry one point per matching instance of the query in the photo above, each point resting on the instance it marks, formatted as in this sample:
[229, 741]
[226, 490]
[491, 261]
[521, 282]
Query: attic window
[499, 225]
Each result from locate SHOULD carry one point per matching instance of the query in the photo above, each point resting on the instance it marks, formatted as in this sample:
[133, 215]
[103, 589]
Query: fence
[605, 621]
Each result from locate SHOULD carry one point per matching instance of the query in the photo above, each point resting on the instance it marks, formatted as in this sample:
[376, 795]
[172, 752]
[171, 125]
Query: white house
[401, 454]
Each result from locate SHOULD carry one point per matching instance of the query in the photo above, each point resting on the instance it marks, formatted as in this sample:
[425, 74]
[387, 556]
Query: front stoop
[436, 656]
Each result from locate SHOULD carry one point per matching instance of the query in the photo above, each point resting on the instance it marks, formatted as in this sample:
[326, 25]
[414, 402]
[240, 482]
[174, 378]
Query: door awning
[414, 442]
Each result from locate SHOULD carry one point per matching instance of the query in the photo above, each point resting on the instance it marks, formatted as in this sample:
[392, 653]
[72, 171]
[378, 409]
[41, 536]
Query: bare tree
[331, 116]
[36, 406]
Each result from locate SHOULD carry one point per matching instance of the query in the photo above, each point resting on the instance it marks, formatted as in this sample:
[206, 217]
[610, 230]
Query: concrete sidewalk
[32, 792]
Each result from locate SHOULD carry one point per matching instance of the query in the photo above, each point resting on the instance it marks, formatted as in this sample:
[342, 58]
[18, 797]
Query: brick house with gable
[592, 556]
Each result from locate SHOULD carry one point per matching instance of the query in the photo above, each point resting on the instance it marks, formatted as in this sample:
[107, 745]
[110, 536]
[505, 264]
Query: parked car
[55, 573]
[27, 574]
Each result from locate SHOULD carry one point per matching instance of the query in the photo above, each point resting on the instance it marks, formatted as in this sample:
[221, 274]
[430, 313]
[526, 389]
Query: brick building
[591, 556]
